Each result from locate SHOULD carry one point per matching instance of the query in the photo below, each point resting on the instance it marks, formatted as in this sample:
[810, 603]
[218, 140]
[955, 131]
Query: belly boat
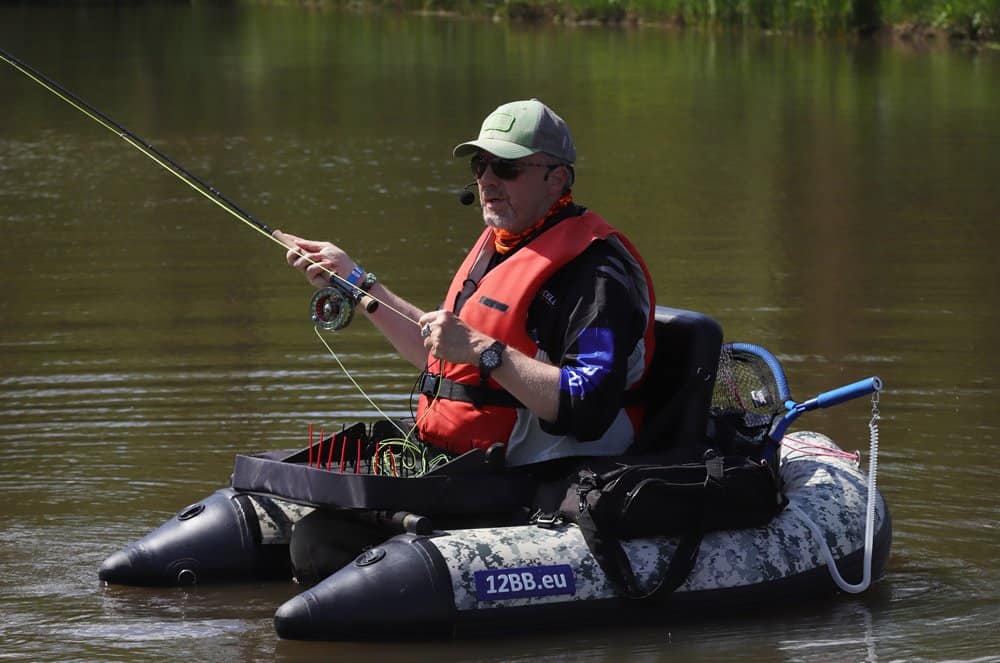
[426, 581]
[532, 576]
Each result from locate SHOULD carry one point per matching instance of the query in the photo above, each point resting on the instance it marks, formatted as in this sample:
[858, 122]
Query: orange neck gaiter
[504, 240]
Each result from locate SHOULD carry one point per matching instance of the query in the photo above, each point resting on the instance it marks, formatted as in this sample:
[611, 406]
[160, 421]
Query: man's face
[520, 195]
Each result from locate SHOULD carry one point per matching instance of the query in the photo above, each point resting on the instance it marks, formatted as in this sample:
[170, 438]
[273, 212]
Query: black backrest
[678, 389]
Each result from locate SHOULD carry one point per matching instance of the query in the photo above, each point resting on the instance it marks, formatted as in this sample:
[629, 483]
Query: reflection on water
[832, 202]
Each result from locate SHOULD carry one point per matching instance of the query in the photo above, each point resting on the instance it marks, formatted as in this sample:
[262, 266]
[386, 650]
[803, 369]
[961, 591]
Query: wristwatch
[490, 359]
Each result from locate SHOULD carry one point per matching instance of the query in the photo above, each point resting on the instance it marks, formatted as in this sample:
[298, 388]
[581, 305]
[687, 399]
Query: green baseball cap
[520, 129]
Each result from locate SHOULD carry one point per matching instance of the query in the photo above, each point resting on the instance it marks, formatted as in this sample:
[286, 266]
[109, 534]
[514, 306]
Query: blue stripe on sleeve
[595, 352]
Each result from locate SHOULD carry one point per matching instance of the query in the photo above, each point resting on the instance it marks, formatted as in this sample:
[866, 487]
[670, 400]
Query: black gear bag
[684, 500]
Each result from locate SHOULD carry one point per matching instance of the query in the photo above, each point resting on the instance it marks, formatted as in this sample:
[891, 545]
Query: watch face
[490, 358]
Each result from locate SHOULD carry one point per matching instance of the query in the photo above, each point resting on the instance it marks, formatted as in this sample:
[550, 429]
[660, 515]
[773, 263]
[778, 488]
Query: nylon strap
[432, 386]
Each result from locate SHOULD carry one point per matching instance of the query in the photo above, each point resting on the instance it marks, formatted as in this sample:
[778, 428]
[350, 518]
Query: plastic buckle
[429, 384]
[548, 520]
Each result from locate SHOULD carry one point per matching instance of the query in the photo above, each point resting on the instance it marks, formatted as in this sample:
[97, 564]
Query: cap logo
[498, 122]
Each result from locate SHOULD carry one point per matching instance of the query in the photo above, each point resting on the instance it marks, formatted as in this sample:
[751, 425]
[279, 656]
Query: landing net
[747, 398]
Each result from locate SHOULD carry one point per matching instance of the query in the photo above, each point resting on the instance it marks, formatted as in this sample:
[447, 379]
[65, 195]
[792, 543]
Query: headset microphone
[466, 197]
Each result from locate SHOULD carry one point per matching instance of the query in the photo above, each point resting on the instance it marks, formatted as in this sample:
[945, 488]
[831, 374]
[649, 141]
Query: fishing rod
[331, 307]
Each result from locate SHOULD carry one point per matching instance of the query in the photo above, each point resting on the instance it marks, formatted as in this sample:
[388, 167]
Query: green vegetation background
[970, 20]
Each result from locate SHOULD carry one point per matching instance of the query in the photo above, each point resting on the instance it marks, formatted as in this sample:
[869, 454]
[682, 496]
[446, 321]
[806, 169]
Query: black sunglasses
[506, 169]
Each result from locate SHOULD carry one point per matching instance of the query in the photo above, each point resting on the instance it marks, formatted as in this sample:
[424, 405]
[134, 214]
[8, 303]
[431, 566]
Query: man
[546, 331]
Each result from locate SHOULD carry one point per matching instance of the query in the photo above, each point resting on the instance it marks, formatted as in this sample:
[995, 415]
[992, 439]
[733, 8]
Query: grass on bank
[972, 20]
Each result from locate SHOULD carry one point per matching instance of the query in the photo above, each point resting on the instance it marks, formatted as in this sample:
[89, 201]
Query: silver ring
[425, 331]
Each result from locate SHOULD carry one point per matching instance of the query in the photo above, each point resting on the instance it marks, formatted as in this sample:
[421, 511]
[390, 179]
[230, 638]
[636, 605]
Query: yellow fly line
[178, 171]
[412, 454]
[403, 444]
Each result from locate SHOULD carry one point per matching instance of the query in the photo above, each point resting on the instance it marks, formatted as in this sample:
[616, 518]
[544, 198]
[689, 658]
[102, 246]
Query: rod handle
[369, 303]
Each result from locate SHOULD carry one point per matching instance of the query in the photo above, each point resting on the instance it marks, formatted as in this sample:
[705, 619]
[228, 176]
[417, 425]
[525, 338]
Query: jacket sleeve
[587, 320]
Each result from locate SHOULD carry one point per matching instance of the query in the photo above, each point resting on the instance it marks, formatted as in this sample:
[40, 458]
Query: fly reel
[331, 308]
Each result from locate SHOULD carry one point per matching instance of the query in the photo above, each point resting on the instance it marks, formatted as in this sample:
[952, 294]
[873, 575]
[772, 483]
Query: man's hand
[447, 337]
[316, 260]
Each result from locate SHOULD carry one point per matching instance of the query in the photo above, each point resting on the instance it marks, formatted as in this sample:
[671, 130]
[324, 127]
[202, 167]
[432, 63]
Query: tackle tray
[475, 482]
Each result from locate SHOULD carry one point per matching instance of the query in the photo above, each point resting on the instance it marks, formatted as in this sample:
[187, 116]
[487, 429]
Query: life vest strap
[434, 386]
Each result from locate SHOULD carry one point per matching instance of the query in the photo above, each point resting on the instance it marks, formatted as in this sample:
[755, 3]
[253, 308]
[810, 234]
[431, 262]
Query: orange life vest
[499, 307]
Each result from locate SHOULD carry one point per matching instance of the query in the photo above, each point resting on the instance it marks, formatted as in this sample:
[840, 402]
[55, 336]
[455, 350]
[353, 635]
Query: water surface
[833, 202]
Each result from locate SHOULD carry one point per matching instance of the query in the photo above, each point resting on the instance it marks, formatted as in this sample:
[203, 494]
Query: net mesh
[745, 400]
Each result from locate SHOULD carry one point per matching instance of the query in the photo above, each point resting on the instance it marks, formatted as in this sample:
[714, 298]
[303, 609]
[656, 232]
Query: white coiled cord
[831, 564]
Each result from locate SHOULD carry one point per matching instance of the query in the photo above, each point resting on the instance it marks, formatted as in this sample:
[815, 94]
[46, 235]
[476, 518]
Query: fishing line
[333, 305]
[193, 181]
[358, 386]
[410, 451]
[406, 434]
[334, 300]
